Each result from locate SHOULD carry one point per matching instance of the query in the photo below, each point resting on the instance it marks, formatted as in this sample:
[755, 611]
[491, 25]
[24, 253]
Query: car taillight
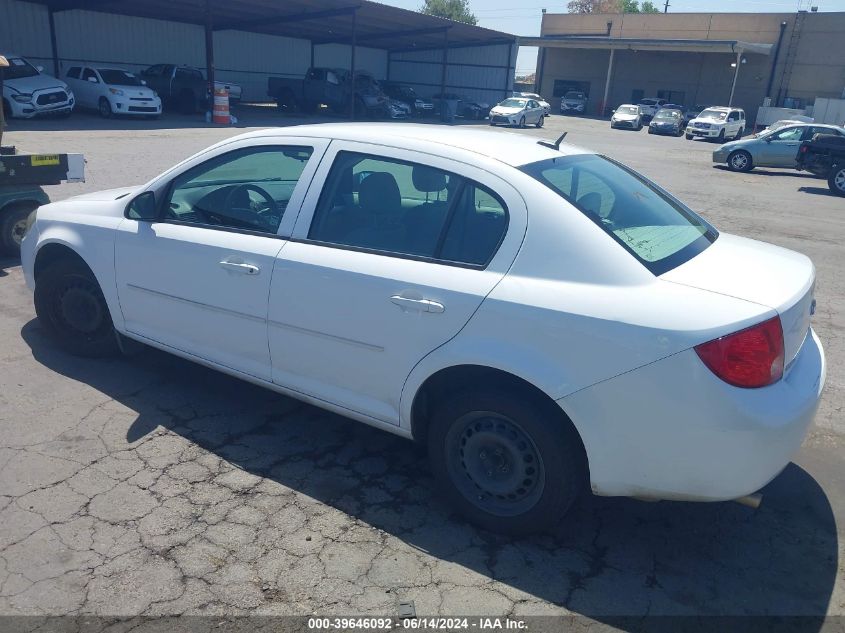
[803, 149]
[749, 358]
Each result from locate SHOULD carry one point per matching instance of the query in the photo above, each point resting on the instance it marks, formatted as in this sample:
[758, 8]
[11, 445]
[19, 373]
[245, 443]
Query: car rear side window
[408, 209]
[659, 231]
[73, 73]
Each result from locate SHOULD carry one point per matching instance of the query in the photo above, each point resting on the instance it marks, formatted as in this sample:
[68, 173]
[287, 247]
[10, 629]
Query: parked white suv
[28, 92]
[650, 106]
[719, 122]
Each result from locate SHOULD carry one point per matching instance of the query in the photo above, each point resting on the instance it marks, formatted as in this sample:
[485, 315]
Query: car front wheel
[540, 121]
[508, 462]
[522, 122]
[740, 160]
[13, 222]
[836, 180]
[105, 108]
[71, 308]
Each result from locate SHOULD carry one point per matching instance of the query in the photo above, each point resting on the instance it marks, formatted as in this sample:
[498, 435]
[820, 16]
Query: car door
[535, 111]
[197, 279]
[391, 256]
[88, 88]
[781, 148]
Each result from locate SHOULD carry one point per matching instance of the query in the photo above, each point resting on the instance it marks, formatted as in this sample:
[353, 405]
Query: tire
[537, 459]
[836, 180]
[689, 136]
[721, 137]
[12, 226]
[650, 130]
[72, 310]
[104, 108]
[739, 134]
[522, 123]
[740, 160]
[640, 127]
[187, 102]
[540, 122]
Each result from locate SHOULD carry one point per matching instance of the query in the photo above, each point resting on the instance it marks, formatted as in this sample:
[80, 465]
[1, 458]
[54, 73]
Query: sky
[522, 17]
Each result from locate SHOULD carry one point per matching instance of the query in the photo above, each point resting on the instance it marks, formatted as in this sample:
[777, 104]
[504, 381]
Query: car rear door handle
[423, 305]
[241, 267]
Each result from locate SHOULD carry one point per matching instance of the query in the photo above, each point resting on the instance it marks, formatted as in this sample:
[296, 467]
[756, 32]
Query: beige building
[692, 58]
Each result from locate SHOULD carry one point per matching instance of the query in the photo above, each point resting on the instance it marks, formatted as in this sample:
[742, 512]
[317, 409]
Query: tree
[594, 6]
[457, 10]
[611, 6]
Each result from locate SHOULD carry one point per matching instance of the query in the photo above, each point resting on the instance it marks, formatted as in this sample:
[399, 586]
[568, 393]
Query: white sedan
[518, 112]
[540, 316]
[112, 91]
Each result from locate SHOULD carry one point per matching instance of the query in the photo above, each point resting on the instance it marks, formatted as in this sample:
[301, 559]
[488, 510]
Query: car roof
[506, 147]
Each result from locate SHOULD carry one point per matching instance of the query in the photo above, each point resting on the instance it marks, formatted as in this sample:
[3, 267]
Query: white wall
[484, 73]
[373, 60]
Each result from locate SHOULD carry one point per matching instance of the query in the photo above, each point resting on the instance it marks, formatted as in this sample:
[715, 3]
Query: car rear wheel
[13, 219]
[836, 180]
[71, 308]
[105, 108]
[508, 462]
[689, 136]
[740, 160]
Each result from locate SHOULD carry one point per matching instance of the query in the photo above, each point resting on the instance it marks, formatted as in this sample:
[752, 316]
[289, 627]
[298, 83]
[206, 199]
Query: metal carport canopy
[647, 44]
[321, 21]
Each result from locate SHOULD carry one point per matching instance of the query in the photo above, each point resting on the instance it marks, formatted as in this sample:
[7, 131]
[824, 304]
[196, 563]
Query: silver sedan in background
[777, 148]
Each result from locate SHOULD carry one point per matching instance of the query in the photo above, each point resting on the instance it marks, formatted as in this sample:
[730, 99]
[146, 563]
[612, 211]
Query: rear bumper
[673, 430]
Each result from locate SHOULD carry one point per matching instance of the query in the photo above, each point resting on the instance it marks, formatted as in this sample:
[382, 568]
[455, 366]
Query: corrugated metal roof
[321, 21]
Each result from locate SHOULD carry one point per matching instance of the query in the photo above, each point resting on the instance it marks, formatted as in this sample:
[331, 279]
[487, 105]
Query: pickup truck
[184, 88]
[331, 87]
[824, 156]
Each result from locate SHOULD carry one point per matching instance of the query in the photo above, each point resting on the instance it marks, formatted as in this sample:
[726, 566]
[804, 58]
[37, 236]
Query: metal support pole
[508, 84]
[541, 67]
[209, 54]
[443, 69]
[52, 22]
[607, 82]
[736, 74]
[352, 67]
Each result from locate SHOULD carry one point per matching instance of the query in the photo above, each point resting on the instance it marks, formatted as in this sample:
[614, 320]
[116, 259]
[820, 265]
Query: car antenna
[556, 144]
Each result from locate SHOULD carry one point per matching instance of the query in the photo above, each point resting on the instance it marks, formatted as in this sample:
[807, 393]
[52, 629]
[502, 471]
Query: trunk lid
[758, 272]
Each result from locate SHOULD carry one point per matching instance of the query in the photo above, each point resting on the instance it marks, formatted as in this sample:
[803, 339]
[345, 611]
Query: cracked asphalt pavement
[152, 486]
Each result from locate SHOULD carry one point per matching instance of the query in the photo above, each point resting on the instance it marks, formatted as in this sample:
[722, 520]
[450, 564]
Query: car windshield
[19, 68]
[628, 110]
[574, 95]
[116, 77]
[648, 102]
[716, 115]
[513, 103]
[668, 115]
[659, 231]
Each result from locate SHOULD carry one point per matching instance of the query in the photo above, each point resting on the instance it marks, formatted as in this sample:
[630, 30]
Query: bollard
[220, 112]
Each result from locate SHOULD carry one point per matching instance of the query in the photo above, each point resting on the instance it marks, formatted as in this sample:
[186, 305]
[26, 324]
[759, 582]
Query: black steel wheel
[508, 462]
[71, 308]
[836, 180]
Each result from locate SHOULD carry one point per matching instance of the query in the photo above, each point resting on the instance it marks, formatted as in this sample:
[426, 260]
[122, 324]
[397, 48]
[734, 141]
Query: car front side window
[789, 134]
[246, 189]
[402, 208]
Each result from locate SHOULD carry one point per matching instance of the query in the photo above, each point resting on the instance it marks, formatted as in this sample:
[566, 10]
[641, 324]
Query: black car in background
[824, 156]
[667, 121]
[467, 108]
[407, 95]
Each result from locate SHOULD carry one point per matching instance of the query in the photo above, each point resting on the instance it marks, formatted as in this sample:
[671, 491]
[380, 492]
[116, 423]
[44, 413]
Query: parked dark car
[824, 156]
[467, 108]
[406, 94]
[184, 88]
[667, 121]
[331, 87]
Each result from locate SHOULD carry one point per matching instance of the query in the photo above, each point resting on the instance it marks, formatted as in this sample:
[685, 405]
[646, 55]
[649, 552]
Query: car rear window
[659, 231]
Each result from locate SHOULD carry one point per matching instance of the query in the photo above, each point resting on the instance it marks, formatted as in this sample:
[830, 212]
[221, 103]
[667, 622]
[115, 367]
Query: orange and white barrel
[220, 112]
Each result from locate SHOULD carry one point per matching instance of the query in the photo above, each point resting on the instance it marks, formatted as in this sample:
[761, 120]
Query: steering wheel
[271, 209]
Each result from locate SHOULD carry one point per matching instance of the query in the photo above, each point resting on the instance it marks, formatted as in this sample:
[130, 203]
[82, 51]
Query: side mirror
[142, 207]
[93, 80]
[768, 139]
[143, 82]
[40, 69]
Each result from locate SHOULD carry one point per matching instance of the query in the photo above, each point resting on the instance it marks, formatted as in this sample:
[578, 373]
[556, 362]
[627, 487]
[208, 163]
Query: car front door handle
[422, 305]
[241, 267]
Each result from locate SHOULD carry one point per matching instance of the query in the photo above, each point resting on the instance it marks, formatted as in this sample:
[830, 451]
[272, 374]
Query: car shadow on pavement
[818, 191]
[610, 558]
[767, 172]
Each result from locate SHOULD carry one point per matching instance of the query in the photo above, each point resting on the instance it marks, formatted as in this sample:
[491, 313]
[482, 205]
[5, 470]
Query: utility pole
[666, 7]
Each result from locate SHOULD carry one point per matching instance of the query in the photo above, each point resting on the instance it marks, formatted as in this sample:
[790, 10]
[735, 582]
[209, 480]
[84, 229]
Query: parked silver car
[777, 148]
[627, 116]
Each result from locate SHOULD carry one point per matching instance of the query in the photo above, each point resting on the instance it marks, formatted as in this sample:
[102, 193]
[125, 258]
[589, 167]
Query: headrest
[428, 179]
[379, 192]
